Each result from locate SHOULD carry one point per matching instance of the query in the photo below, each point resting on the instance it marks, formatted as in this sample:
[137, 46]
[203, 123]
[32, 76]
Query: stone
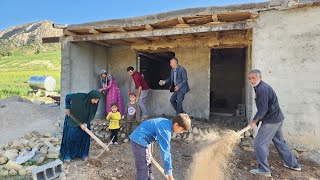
[47, 143]
[47, 134]
[201, 132]
[195, 130]
[44, 149]
[252, 164]
[37, 156]
[28, 136]
[245, 168]
[22, 172]
[17, 145]
[197, 138]
[52, 156]
[41, 160]
[126, 140]
[35, 134]
[29, 168]
[11, 154]
[12, 172]
[57, 124]
[54, 150]
[190, 137]
[4, 172]
[2, 146]
[247, 134]
[24, 141]
[3, 160]
[246, 148]
[12, 165]
[123, 135]
[184, 136]
[33, 143]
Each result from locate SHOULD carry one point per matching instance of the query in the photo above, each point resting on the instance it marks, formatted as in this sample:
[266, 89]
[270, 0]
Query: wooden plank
[214, 23]
[254, 15]
[215, 18]
[68, 33]
[163, 32]
[181, 26]
[103, 43]
[181, 21]
[93, 31]
[199, 20]
[51, 39]
[149, 27]
[121, 29]
[164, 38]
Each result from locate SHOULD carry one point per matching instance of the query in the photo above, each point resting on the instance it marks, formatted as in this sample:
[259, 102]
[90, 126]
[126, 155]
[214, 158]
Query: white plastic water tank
[47, 83]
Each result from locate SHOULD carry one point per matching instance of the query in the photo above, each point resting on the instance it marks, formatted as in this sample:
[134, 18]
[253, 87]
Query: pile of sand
[19, 116]
[211, 162]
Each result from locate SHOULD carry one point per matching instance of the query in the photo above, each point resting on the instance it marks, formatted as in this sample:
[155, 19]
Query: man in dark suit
[178, 84]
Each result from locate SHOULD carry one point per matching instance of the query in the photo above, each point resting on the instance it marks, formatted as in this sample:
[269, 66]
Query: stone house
[217, 46]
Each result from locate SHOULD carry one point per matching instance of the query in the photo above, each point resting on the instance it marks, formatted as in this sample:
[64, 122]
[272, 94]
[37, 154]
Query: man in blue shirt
[270, 114]
[158, 129]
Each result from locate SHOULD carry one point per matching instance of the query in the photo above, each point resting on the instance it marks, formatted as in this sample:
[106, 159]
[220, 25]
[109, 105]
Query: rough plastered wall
[119, 58]
[195, 60]
[80, 68]
[286, 48]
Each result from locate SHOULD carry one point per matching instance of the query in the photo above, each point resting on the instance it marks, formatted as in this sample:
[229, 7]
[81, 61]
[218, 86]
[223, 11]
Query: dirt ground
[119, 163]
[19, 117]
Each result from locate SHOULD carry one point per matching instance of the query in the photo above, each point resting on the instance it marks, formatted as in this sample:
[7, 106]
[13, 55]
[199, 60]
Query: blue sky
[16, 12]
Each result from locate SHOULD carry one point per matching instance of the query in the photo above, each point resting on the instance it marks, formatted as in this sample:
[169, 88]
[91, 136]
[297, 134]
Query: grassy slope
[16, 70]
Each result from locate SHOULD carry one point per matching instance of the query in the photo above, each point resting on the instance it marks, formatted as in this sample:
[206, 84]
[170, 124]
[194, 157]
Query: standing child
[114, 116]
[148, 132]
[132, 113]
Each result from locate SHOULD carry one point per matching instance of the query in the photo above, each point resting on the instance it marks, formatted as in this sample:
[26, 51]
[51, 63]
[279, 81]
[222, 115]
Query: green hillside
[15, 70]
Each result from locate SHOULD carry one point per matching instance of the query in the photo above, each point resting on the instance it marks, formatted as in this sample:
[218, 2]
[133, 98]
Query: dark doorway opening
[155, 67]
[227, 81]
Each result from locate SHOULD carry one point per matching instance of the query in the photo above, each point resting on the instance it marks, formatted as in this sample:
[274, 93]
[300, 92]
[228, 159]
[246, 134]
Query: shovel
[105, 147]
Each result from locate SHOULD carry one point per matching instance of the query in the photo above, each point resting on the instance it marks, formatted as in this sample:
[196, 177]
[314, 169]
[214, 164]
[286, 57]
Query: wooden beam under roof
[69, 33]
[103, 43]
[163, 32]
[93, 31]
[149, 27]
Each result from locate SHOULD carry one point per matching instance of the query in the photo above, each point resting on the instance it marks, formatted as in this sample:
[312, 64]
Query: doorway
[227, 80]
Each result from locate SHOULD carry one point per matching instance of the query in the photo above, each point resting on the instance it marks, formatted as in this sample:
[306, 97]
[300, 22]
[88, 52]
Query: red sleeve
[137, 80]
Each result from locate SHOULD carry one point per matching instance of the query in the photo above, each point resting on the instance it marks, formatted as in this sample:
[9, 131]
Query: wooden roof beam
[181, 20]
[68, 33]
[121, 29]
[149, 27]
[103, 43]
[93, 31]
[215, 18]
[165, 39]
[162, 32]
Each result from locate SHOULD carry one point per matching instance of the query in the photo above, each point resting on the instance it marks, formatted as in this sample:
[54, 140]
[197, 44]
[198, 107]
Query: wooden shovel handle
[243, 130]
[105, 147]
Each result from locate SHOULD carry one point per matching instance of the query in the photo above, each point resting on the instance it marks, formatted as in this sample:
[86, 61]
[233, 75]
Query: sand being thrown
[212, 160]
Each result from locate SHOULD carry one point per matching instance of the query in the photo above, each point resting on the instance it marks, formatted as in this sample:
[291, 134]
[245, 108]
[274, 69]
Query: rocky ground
[118, 163]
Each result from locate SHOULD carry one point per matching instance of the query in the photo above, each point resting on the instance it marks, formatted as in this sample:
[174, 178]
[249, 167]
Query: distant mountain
[28, 34]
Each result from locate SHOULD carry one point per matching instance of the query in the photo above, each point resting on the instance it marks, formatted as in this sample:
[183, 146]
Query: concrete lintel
[162, 32]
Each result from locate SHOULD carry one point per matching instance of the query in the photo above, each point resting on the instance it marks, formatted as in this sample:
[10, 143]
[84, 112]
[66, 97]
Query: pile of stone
[46, 146]
[198, 134]
[195, 134]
